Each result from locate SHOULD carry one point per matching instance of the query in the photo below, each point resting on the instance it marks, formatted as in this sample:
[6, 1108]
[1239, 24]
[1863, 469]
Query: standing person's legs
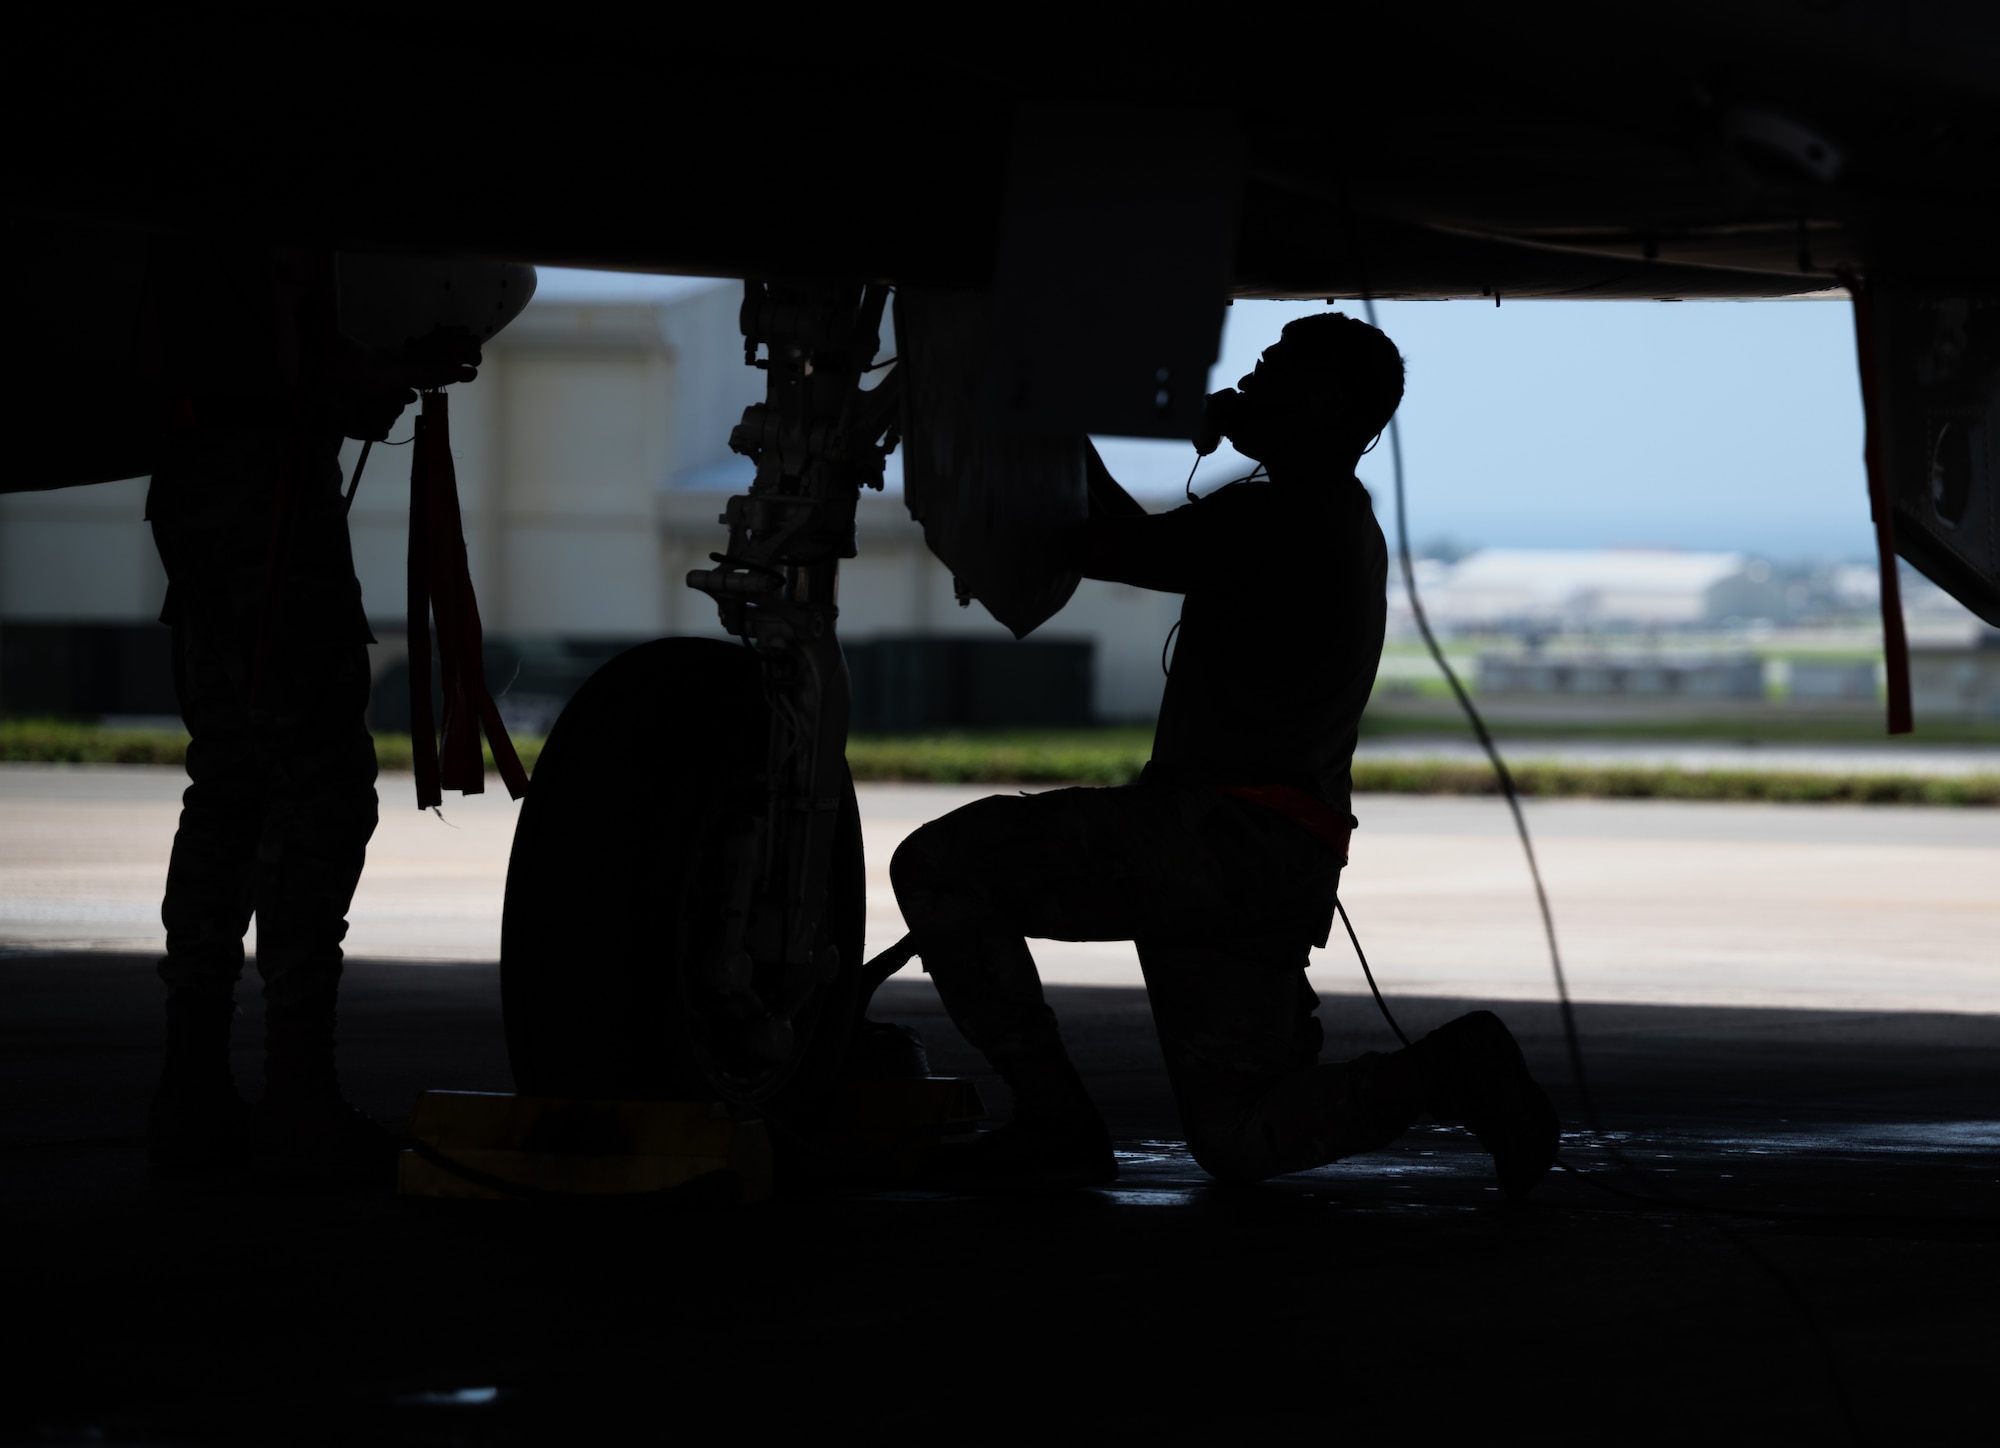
[208, 498]
[197, 1117]
[211, 875]
[273, 680]
[317, 763]
[319, 813]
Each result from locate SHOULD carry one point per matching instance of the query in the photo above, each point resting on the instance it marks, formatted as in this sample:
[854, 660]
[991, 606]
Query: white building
[1583, 590]
[593, 461]
[592, 458]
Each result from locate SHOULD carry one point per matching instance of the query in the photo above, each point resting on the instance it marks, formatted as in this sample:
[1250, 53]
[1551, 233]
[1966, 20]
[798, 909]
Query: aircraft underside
[1061, 237]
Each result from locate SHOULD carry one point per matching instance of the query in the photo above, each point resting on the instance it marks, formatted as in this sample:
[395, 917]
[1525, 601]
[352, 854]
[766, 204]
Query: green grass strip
[1115, 756]
[1774, 725]
[56, 741]
[1100, 756]
[53, 741]
[1563, 781]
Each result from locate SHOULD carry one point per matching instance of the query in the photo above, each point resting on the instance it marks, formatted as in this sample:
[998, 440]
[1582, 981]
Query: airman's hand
[371, 386]
[446, 356]
[368, 415]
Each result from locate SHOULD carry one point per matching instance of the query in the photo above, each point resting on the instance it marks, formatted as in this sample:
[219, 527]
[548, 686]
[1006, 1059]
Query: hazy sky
[1581, 424]
[1731, 425]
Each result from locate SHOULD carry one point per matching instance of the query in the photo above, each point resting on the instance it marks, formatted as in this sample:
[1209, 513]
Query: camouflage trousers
[271, 669]
[1223, 899]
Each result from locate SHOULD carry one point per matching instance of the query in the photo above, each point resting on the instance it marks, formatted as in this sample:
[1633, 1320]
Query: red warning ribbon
[440, 580]
[1314, 816]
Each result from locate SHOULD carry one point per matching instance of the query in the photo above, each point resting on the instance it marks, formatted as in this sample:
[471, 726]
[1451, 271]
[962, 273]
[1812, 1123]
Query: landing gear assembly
[685, 900]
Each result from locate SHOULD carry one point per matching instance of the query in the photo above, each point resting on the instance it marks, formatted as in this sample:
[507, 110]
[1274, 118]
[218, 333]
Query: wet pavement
[1855, 1155]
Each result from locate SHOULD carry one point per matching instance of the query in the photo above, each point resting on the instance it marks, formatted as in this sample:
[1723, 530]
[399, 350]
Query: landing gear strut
[685, 902]
[818, 438]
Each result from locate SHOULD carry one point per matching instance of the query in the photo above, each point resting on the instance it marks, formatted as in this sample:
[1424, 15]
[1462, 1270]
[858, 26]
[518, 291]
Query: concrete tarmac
[1800, 1244]
[1806, 906]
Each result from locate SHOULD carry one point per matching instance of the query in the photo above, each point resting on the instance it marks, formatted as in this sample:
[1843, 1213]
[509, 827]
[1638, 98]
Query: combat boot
[1480, 1080]
[304, 1127]
[198, 1120]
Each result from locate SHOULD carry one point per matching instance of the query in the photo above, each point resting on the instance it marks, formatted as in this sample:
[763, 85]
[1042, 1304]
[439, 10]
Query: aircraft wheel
[610, 971]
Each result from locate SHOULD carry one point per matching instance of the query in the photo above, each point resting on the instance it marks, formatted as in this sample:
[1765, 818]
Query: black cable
[354, 483]
[1380, 1004]
[1571, 1038]
[1168, 642]
[1249, 477]
[1506, 778]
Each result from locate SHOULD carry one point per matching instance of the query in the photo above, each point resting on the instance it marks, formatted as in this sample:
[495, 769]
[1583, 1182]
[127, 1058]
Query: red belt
[1314, 816]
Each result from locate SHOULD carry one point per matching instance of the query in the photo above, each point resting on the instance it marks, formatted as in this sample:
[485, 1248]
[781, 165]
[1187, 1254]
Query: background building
[593, 461]
[592, 458]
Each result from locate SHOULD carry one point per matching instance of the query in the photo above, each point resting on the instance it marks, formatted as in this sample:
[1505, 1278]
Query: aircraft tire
[616, 867]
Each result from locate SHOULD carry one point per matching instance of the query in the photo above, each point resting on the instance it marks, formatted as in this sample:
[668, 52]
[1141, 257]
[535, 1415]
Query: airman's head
[1322, 392]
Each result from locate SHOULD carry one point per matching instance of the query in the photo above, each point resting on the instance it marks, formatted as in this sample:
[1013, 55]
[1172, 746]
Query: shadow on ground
[1393, 1294]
